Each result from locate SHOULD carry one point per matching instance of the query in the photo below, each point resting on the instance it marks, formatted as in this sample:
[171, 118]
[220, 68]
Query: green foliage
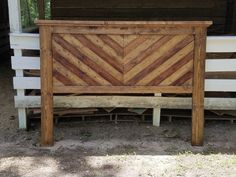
[29, 12]
[47, 9]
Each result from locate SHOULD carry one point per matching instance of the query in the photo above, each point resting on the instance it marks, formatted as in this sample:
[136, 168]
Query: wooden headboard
[122, 57]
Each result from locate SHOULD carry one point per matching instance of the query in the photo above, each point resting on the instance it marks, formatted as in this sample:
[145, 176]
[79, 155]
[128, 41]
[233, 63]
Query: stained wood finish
[159, 60]
[198, 89]
[122, 60]
[123, 57]
[123, 89]
[46, 87]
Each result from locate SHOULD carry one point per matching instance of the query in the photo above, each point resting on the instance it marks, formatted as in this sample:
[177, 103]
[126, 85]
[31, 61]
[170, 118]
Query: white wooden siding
[221, 44]
[24, 41]
[25, 62]
[220, 65]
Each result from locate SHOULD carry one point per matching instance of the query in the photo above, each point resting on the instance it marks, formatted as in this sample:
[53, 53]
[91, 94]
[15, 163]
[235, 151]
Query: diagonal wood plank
[103, 65]
[106, 47]
[113, 44]
[133, 41]
[144, 54]
[74, 69]
[157, 55]
[100, 59]
[109, 59]
[172, 69]
[179, 73]
[186, 79]
[141, 50]
[86, 72]
[167, 63]
[102, 72]
[93, 70]
[61, 78]
[65, 72]
[166, 55]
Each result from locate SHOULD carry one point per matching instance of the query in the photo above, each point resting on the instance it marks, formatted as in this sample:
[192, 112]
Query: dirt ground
[111, 150]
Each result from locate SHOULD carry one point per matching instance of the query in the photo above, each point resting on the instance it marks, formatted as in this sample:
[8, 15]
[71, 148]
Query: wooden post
[16, 27]
[156, 114]
[198, 89]
[14, 16]
[41, 9]
[46, 87]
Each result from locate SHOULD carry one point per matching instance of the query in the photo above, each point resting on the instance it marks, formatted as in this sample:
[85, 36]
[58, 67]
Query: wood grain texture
[198, 89]
[126, 101]
[125, 23]
[95, 63]
[123, 57]
[122, 89]
[154, 61]
[46, 87]
[132, 60]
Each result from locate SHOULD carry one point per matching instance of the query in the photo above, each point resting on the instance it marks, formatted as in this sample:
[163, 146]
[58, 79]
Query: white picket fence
[28, 41]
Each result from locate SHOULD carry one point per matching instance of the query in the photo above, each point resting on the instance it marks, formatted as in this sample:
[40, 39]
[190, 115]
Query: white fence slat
[26, 82]
[126, 101]
[220, 85]
[24, 41]
[220, 65]
[25, 62]
[221, 44]
[156, 117]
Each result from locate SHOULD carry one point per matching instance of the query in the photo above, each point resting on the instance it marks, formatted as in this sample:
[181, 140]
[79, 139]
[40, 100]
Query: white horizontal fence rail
[220, 65]
[25, 63]
[221, 44]
[26, 82]
[25, 41]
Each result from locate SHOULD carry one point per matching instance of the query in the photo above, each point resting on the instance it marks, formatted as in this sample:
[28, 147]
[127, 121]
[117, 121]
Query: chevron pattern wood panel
[122, 60]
